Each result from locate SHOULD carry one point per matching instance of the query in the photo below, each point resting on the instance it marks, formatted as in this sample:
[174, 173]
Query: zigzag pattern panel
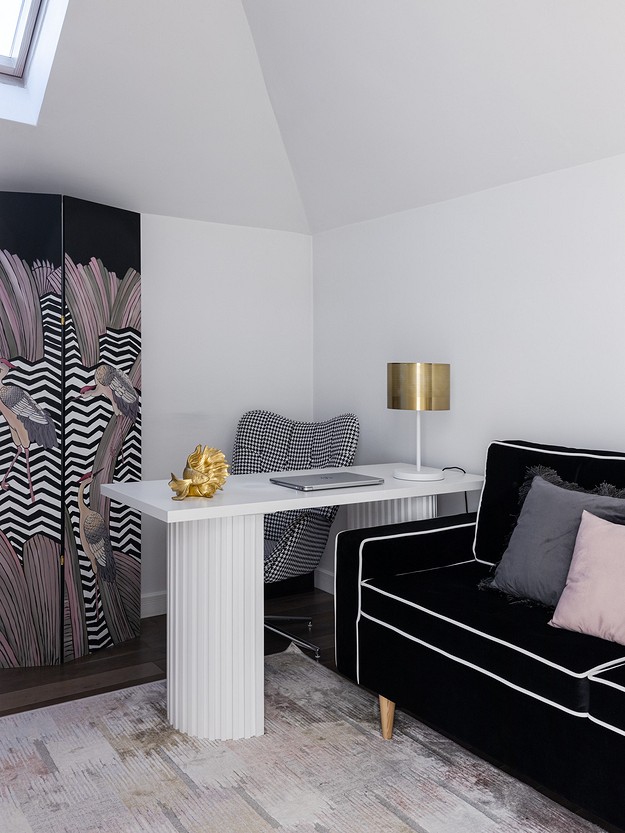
[86, 420]
[21, 516]
[30, 497]
[121, 349]
[84, 423]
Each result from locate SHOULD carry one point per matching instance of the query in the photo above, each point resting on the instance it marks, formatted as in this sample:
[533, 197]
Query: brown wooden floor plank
[69, 689]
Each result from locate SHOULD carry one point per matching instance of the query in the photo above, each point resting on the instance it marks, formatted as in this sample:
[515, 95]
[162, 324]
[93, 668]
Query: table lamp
[418, 386]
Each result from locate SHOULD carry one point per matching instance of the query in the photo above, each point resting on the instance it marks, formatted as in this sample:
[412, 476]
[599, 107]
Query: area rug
[112, 764]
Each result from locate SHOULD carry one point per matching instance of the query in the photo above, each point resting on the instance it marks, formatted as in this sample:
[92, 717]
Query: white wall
[521, 288]
[227, 326]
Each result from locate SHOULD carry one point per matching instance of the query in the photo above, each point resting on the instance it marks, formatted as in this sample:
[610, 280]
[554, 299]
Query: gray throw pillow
[537, 560]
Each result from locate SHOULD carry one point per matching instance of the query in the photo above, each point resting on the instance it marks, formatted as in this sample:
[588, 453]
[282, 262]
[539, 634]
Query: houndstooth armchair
[294, 540]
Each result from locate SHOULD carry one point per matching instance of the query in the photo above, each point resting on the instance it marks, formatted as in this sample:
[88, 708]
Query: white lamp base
[422, 473]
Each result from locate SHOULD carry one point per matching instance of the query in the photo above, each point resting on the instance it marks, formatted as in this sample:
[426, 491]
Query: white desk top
[253, 494]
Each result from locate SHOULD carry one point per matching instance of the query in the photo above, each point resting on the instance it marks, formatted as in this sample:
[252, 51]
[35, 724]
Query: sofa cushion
[537, 560]
[607, 698]
[507, 462]
[593, 600]
[444, 610]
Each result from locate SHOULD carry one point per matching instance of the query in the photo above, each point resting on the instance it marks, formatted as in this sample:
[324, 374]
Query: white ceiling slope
[386, 105]
[304, 115]
[158, 107]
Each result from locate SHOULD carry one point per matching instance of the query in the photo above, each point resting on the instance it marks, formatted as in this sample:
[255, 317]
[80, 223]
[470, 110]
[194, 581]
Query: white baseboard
[324, 580]
[153, 604]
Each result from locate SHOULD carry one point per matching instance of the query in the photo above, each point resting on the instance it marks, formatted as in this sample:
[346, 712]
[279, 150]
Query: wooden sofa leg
[387, 715]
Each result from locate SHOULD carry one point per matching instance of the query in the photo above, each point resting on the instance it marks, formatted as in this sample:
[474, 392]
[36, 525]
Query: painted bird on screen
[94, 534]
[115, 385]
[28, 423]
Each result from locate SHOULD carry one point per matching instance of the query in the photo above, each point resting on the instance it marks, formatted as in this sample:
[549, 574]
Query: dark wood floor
[143, 660]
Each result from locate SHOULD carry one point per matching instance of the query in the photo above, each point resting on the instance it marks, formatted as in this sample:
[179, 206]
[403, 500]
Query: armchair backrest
[507, 463]
[269, 442]
[266, 441]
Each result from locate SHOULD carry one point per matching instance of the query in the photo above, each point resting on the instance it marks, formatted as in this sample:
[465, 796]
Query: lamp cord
[466, 499]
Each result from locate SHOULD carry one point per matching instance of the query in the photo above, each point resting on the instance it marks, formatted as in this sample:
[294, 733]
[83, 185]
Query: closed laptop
[333, 480]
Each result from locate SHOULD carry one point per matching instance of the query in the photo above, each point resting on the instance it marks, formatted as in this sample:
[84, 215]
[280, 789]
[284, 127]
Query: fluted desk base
[215, 627]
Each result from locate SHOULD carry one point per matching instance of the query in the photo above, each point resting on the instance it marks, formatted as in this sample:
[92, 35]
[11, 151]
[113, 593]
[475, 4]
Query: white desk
[215, 586]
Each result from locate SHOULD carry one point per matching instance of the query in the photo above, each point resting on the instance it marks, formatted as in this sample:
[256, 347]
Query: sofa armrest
[389, 550]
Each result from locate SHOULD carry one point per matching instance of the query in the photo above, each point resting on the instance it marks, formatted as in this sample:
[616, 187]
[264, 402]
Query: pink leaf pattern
[97, 299]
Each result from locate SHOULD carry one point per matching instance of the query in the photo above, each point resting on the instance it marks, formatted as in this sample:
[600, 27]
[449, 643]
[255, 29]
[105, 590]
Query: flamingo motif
[118, 389]
[28, 423]
[94, 534]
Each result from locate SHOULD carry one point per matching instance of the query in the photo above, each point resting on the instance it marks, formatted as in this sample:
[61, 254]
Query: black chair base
[286, 587]
[294, 540]
[271, 623]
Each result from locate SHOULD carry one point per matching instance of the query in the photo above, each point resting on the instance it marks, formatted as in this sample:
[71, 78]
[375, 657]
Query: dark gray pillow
[537, 560]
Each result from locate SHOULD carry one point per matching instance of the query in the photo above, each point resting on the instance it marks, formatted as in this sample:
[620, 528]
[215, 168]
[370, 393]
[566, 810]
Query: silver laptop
[334, 480]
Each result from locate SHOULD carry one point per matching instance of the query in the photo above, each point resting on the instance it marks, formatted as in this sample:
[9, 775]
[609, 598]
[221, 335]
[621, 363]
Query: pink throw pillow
[593, 600]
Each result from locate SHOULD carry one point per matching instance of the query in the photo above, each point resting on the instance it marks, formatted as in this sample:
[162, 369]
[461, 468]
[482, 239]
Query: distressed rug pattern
[112, 764]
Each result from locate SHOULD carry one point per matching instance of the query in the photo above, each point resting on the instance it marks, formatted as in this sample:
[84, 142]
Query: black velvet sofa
[413, 626]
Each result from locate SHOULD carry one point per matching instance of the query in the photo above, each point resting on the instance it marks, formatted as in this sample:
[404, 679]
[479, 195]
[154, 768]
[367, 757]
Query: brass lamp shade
[418, 386]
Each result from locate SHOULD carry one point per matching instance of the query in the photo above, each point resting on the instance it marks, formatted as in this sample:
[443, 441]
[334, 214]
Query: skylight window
[17, 25]
[29, 36]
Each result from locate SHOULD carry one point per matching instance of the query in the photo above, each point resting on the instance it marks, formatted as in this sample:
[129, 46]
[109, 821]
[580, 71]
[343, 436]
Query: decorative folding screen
[70, 382]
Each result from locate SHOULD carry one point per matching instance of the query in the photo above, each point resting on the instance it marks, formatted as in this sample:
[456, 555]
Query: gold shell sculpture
[205, 472]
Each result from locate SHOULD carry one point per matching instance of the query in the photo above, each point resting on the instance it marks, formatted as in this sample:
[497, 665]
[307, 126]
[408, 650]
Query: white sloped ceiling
[386, 105]
[158, 107]
[309, 114]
